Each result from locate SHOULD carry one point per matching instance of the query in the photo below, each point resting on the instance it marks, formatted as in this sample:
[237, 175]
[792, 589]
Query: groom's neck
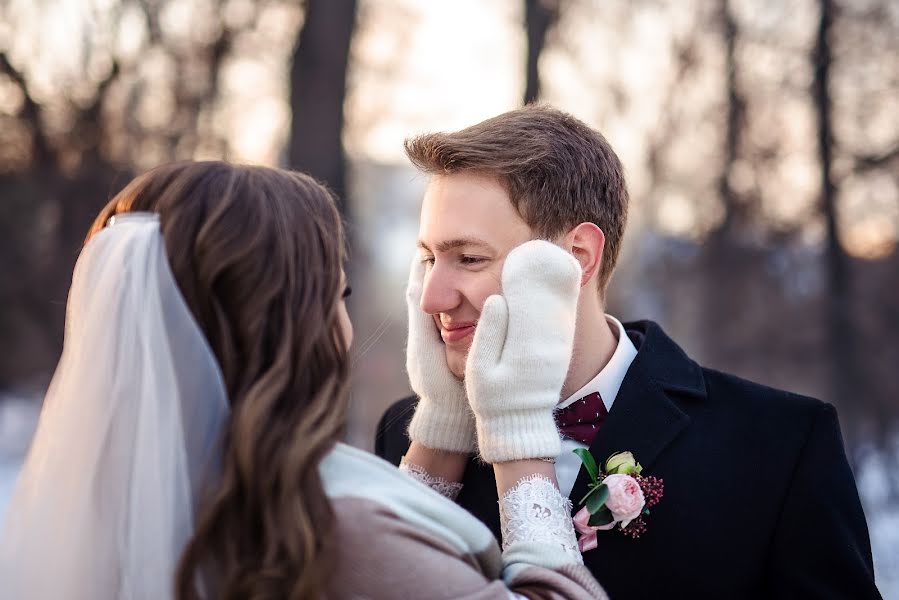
[594, 344]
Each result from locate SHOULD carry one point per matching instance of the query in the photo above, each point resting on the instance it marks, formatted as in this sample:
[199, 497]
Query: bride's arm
[535, 519]
[438, 469]
[383, 555]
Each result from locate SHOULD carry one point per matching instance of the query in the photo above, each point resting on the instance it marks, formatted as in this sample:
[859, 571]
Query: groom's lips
[456, 332]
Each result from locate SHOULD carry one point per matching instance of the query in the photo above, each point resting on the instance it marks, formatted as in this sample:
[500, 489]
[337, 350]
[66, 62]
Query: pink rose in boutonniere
[619, 495]
[626, 499]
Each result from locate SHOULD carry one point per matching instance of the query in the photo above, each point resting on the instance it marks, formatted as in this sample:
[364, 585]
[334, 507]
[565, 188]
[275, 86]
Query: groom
[758, 502]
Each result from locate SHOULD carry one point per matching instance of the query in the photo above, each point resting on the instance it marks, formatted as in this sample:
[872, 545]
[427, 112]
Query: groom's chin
[455, 359]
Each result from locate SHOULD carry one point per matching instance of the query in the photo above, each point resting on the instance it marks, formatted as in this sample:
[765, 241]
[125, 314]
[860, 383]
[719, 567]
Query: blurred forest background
[760, 138]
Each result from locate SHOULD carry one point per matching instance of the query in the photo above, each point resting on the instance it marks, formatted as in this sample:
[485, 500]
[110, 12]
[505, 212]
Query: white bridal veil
[127, 436]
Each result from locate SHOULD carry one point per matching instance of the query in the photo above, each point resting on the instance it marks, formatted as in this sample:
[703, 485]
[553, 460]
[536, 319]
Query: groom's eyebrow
[456, 243]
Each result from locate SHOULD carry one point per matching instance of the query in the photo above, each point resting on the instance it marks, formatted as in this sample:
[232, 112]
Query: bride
[189, 447]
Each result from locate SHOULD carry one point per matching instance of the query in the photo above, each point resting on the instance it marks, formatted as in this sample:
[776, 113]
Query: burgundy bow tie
[582, 419]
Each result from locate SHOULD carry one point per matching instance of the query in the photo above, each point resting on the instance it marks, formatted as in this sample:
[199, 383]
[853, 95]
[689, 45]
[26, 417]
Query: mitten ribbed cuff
[518, 435]
[437, 428]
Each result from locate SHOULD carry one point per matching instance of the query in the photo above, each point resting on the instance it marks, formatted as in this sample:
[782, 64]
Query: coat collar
[664, 361]
[646, 415]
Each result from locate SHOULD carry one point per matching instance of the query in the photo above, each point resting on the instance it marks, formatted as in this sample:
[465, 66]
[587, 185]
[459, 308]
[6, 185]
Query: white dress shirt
[607, 382]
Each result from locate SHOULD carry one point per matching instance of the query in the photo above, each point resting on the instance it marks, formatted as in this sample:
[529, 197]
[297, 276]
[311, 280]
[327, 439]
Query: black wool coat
[759, 500]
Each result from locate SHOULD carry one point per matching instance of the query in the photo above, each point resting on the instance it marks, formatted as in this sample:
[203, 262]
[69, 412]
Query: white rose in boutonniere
[623, 463]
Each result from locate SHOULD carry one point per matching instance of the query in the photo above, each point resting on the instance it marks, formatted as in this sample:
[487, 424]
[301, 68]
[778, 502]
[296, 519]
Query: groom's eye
[472, 260]
[427, 260]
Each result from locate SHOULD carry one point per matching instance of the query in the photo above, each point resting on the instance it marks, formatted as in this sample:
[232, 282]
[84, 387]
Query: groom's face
[468, 226]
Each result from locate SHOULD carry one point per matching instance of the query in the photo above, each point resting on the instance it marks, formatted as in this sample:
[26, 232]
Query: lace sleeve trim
[534, 510]
[440, 485]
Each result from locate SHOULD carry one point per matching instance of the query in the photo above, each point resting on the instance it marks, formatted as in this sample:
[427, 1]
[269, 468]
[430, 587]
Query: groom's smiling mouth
[453, 333]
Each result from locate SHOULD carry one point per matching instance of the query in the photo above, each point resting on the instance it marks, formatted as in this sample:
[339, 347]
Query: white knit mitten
[442, 419]
[521, 351]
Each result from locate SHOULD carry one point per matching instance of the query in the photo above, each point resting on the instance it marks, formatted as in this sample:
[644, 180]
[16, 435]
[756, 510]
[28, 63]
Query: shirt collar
[608, 381]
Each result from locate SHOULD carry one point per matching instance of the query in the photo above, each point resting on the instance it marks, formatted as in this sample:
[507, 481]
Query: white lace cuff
[440, 485]
[534, 510]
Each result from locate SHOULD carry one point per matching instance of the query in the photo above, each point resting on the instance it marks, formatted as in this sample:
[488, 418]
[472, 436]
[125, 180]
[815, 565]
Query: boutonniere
[619, 495]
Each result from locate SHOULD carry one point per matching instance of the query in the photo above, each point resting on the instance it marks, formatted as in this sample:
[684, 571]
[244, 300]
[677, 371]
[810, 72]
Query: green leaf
[589, 462]
[645, 511]
[598, 499]
[603, 517]
[593, 488]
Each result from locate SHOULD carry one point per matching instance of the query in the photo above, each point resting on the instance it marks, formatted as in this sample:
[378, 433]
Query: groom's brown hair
[557, 171]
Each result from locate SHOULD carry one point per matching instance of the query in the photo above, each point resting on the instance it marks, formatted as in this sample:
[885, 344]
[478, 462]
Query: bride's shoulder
[349, 473]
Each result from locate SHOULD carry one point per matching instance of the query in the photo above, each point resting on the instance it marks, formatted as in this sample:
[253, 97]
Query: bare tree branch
[734, 208]
[667, 128]
[875, 161]
[31, 112]
[89, 122]
[151, 13]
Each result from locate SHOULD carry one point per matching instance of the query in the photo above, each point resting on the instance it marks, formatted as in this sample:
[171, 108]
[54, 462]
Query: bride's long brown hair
[257, 254]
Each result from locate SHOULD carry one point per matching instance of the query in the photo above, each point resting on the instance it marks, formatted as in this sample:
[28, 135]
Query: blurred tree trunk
[317, 92]
[539, 16]
[844, 369]
[724, 296]
[38, 266]
[735, 215]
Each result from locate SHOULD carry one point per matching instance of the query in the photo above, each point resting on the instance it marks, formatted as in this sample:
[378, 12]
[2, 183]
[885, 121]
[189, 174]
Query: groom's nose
[441, 292]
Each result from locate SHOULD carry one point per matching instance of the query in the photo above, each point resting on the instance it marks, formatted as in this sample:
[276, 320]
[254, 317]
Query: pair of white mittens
[516, 366]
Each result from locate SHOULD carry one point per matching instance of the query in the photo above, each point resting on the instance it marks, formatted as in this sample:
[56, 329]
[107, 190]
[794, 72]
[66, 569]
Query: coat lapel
[644, 418]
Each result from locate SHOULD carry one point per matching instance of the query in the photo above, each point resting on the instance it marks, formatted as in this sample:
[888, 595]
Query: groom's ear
[586, 242]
